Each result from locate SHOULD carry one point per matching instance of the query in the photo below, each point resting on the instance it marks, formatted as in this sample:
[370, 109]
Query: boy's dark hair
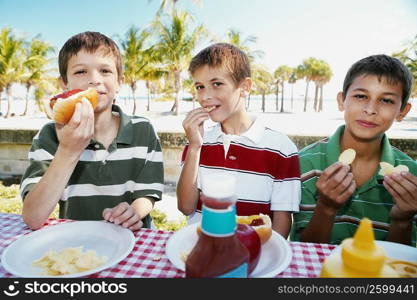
[223, 55]
[90, 42]
[392, 69]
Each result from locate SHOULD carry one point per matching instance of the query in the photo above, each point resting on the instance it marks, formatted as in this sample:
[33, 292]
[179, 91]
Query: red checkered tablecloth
[148, 258]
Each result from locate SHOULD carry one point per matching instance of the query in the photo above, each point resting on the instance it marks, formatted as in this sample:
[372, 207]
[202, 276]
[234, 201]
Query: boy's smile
[371, 105]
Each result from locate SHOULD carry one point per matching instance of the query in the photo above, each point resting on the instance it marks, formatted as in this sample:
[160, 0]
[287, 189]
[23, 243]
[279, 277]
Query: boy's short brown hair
[226, 56]
[385, 67]
[89, 41]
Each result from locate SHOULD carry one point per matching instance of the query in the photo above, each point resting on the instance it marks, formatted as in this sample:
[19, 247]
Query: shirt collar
[333, 148]
[125, 132]
[254, 133]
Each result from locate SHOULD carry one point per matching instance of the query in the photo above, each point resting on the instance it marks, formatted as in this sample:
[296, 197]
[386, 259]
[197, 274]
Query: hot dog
[261, 223]
[63, 105]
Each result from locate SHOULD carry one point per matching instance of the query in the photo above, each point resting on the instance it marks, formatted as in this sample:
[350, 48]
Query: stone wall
[15, 144]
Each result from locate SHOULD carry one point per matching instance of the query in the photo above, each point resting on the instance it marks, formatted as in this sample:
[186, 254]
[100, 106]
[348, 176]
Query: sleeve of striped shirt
[40, 155]
[286, 186]
[152, 175]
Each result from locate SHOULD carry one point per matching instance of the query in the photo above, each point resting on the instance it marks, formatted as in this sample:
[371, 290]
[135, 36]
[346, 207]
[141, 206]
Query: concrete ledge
[15, 144]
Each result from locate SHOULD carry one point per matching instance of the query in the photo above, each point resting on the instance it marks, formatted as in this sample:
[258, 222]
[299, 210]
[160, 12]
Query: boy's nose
[95, 79]
[370, 107]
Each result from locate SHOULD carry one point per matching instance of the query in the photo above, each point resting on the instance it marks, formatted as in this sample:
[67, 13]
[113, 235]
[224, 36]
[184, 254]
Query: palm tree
[188, 85]
[36, 54]
[324, 75]
[292, 80]
[409, 57]
[281, 74]
[151, 74]
[262, 82]
[175, 45]
[12, 59]
[306, 70]
[235, 38]
[169, 5]
[46, 86]
[137, 58]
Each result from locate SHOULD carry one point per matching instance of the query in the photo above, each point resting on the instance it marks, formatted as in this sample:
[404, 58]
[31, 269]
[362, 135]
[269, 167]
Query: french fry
[347, 156]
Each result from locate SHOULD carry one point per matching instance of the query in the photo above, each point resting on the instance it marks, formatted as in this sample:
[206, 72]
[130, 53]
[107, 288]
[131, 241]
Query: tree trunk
[292, 96]
[9, 101]
[321, 99]
[305, 98]
[276, 98]
[148, 108]
[26, 100]
[1, 93]
[177, 76]
[316, 98]
[133, 87]
[263, 101]
[247, 105]
[282, 97]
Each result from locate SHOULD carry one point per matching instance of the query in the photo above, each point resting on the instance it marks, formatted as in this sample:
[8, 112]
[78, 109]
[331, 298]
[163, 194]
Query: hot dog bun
[63, 105]
[261, 223]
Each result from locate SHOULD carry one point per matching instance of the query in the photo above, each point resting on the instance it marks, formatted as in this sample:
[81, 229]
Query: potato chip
[401, 168]
[388, 169]
[68, 261]
[347, 156]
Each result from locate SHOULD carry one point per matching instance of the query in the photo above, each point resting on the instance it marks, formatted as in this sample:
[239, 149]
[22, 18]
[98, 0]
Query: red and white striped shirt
[264, 162]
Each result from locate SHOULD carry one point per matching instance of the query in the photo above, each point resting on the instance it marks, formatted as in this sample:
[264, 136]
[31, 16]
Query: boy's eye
[79, 72]
[106, 71]
[216, 84]
[359, 96]
[199, 87]
[387, 100]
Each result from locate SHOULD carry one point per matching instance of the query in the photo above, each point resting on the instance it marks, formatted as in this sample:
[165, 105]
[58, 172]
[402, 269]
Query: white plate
[107, 239]
[275, 255]
[392, 250]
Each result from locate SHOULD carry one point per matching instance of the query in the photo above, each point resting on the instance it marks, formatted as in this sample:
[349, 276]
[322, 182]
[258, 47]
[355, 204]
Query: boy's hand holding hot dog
[77, 133]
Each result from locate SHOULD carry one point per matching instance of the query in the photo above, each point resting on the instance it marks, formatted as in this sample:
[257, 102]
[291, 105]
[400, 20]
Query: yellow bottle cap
[361, 252]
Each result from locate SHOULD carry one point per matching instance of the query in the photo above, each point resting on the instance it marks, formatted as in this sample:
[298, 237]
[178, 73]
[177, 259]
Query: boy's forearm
[400, 231]
[282, 222]
[187, 192]
[143, 206]
[42, 199]
[319, 229]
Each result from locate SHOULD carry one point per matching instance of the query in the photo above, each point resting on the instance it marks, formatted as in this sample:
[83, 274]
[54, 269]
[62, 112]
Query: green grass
[10, 202]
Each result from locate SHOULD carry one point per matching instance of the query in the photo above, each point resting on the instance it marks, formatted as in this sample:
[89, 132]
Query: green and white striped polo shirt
[130, 168]
[371, 200]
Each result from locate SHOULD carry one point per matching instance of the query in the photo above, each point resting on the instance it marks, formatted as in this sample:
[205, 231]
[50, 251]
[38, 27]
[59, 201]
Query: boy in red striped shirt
[264, 161]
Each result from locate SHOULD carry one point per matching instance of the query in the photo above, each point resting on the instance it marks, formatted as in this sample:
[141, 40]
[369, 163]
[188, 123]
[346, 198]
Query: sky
[339, 32]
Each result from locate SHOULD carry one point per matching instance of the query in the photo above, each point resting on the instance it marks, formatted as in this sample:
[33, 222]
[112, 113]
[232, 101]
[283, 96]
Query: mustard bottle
[360, 256]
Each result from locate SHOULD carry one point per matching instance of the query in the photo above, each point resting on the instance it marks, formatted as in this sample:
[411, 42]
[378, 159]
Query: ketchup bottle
[218, 252]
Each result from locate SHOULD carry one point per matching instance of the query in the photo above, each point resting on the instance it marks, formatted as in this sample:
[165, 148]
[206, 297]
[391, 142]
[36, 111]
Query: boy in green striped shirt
[335, 197]
[103, 164]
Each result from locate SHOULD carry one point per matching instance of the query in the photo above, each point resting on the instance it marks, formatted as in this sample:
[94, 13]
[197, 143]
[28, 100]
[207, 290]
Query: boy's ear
[62, 84]
[246, 87]
[401, 115]
[341, 101]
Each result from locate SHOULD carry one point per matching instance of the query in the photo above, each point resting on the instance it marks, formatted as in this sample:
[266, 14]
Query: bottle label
[218, 222]
[239, 272]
